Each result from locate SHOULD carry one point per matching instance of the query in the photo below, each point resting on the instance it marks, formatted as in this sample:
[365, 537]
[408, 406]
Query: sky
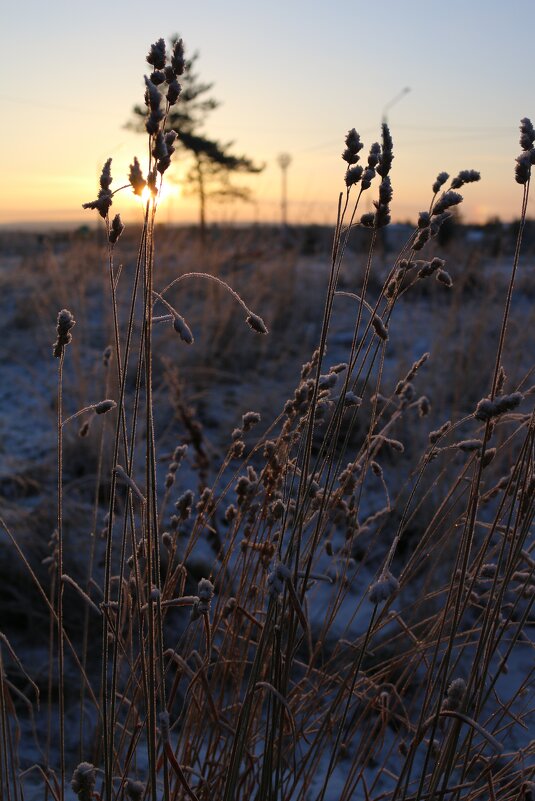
[292, 76]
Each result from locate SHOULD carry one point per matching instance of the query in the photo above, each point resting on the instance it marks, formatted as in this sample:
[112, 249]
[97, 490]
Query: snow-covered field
[388, 661]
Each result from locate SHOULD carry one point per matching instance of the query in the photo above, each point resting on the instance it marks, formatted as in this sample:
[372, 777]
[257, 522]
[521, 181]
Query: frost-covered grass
[277, 566]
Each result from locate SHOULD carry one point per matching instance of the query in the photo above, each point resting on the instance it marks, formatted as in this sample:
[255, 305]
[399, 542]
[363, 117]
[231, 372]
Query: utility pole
[284, 160]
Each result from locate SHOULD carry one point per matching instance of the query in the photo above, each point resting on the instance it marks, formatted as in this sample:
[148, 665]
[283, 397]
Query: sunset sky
[292, 76]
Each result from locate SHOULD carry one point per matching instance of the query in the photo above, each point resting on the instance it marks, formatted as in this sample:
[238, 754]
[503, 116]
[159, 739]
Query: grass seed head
[250, 419]
[486, 409]
[135, 790]
[135, 176]
[454, 695]
[380, 328]
[523, 167]
[104, 199]
[178, 61]
[83, 781]
[156, 56]
[353, 147]
[465, 177]
[183, 329]
[64, 325]
[527, 134]
[104, 406]
[383, 589]
[442, 177]
[256, 323]
[446, 201]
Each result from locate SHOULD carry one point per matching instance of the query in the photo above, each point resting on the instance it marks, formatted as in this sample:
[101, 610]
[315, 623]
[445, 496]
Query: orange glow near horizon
[54, 142]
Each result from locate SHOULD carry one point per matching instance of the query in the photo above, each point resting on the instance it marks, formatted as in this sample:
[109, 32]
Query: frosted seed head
[486, 409]
[523, 167]
[237, 449]
[157, 77]
[83, 781]
[250, 419]
[380, 328]
[135, 790]
[105, 176]
[101, 204]
[367, 177]
[353, 147]
[527, 134]
[352, 399]
[169, 480]
[156, 55]
[386, 156]
[353, 175]
[84, 429]
[178, 62]
[489, 455]
[384, 588]
[434, 436]
[183, 329]
[116, 229]
[368, 220]
[65, 322]
[205, 590]
[327, 381]
[64, 325]
[256, 323]
[465, 177]
[373, 157]
[137, 182]
[446, 201]
[276, 579]
[444, 277]
[104, 406]
[153, 97]
[170, 138]
[338, 368]
[421, 238]
[417, 365]
[385, 190]
[159, 151]
[423, 219]
[442, 177]
[179, 453]
[184, 504]
[173, 92]
[424, 406]
[454, 695]
[167, 540]
[469, 445]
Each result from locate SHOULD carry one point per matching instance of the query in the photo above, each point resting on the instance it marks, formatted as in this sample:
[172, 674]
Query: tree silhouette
[213, 163]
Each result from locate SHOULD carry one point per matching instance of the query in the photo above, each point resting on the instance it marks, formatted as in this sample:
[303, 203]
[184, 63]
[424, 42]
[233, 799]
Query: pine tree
[213, 163]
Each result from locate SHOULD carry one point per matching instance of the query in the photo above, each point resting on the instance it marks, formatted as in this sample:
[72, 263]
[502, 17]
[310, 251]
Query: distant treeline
[493, 238]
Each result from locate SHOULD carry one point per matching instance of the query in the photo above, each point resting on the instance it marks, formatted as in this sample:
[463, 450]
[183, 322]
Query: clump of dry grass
[277, 630]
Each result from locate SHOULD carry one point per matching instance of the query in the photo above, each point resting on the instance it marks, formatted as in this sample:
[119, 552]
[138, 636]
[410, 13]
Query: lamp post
[395, 100]
[284, 160]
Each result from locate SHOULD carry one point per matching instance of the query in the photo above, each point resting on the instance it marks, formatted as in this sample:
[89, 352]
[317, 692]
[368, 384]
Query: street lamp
[395, 100]
[284, 160]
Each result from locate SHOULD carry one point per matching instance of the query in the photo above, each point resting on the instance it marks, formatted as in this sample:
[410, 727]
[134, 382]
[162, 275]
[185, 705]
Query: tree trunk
[202, 201]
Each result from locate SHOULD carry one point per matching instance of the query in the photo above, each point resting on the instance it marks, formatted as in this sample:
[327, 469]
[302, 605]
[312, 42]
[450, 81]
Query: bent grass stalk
[253, 692]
